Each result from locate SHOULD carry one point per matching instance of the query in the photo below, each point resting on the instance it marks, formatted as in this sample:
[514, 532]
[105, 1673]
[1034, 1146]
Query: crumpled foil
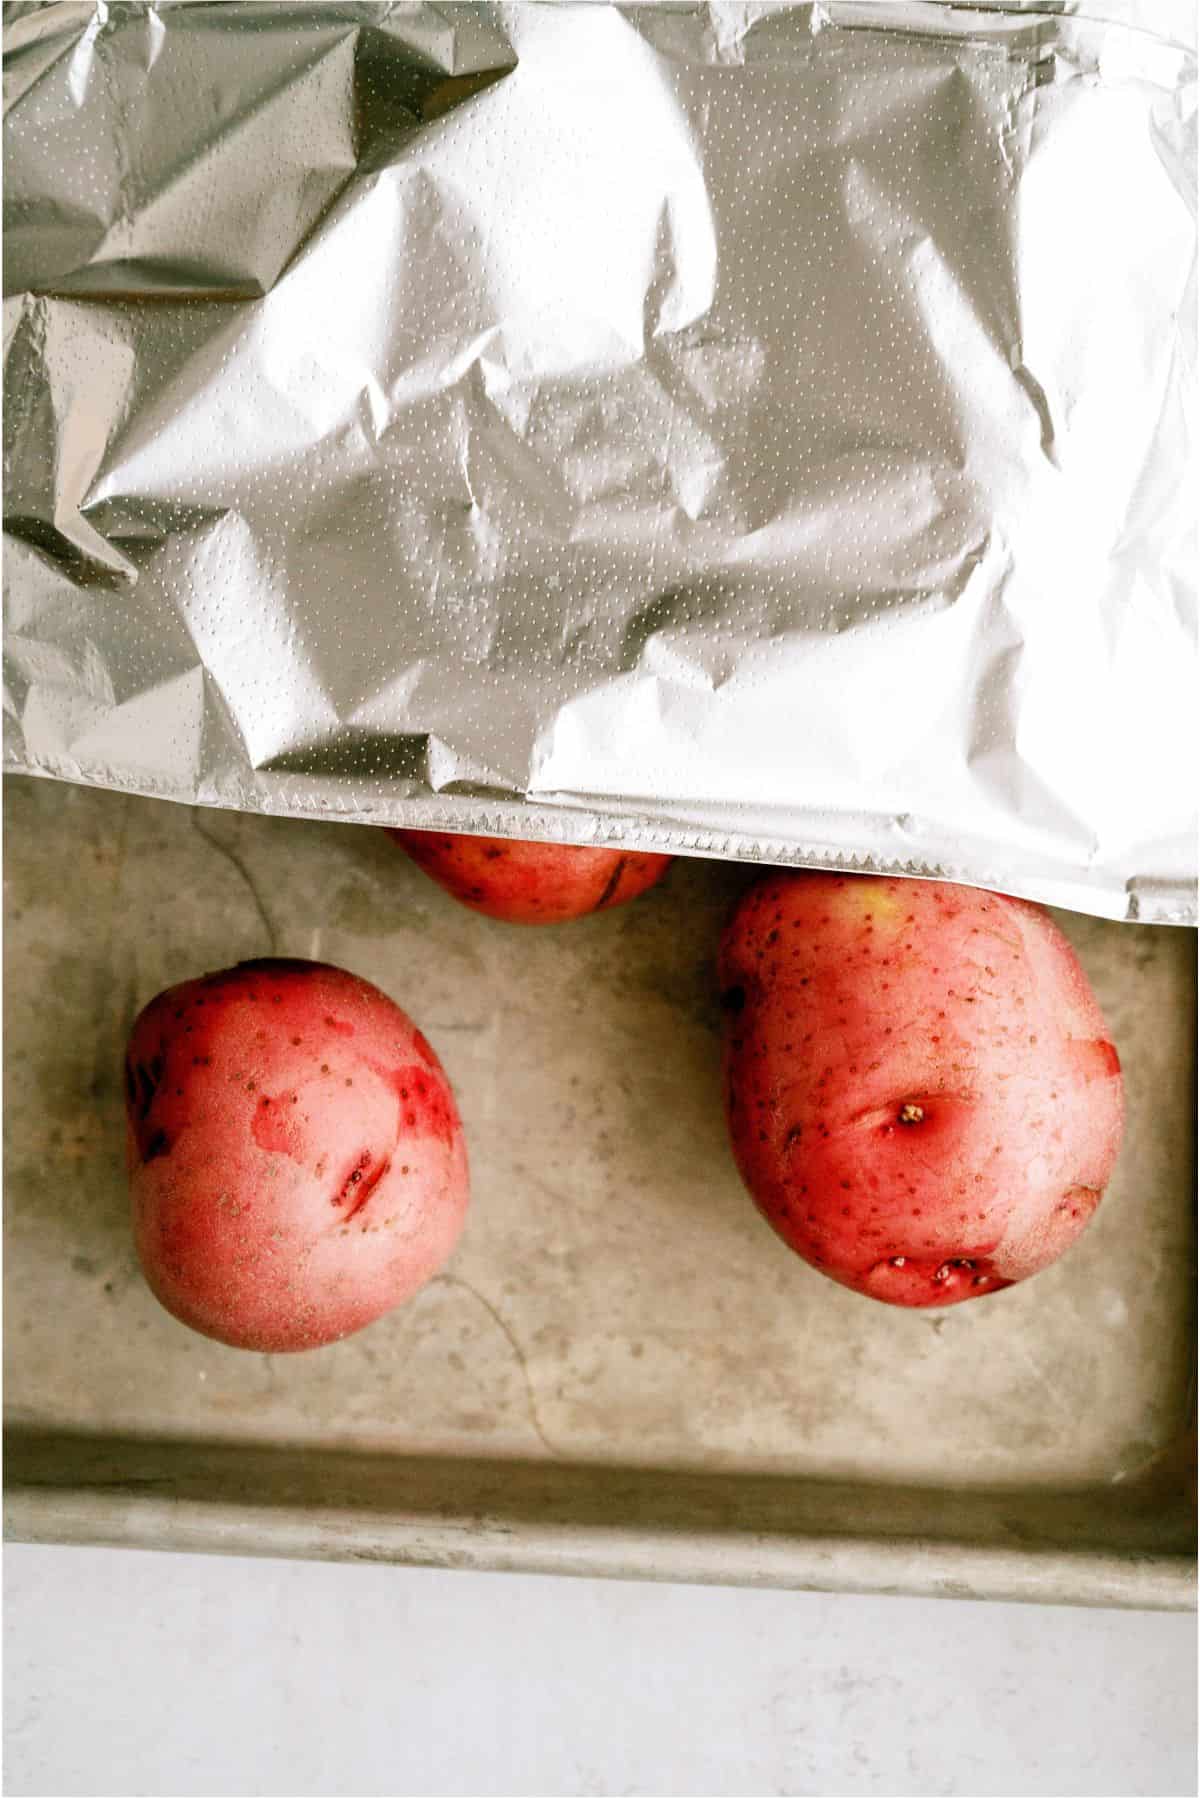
[753, 430]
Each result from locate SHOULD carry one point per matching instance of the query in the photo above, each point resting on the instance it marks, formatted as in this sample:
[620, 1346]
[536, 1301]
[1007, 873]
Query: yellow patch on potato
[874, 903]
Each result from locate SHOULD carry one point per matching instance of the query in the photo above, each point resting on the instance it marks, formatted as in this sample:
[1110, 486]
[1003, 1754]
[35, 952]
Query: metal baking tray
[623, 1371]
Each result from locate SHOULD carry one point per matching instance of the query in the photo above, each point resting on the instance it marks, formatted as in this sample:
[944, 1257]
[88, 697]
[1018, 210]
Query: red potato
[531, 883]
[296, 1159]
[921, 1091]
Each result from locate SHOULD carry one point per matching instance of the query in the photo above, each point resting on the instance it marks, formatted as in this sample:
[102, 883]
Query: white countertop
[176, 1674]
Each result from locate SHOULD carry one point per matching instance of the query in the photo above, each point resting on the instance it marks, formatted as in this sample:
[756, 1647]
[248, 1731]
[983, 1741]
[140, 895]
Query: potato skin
[531, 883]
[296, 1160]
[922, 1095]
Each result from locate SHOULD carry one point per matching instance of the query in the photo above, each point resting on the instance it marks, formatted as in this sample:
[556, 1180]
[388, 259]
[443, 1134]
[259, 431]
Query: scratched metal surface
[616, 1302]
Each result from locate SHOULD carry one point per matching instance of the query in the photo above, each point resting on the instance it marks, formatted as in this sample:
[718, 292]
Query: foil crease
[759, 431]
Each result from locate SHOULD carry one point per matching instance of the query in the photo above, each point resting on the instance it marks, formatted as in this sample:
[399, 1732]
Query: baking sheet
[622, 1370]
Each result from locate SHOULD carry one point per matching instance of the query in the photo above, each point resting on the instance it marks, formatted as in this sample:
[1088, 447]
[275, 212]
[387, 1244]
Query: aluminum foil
[753, 430]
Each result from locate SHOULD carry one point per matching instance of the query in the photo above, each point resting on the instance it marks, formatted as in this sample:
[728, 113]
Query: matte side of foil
[761, 431]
